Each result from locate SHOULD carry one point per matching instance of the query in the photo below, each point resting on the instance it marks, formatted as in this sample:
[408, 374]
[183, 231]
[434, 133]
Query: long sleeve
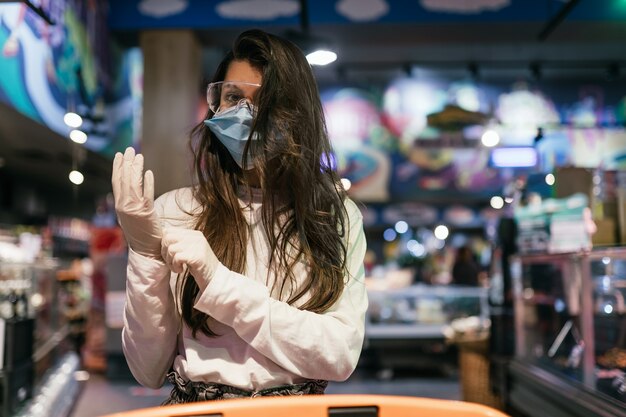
[315, 346]
[150, 323]
[149, 336]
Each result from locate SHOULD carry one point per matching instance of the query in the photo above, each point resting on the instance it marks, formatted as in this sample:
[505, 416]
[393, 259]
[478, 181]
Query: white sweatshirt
[263, 342]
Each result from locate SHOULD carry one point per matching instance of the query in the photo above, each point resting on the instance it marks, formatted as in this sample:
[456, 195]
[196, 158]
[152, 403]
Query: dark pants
[189, 391]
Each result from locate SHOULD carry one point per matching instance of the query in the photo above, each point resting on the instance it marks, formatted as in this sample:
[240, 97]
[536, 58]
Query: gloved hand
[185, 247]
[134, 204]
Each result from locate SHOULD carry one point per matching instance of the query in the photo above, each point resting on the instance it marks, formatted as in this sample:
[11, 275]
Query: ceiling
[375, 39]
[36, 153]
[378, 39]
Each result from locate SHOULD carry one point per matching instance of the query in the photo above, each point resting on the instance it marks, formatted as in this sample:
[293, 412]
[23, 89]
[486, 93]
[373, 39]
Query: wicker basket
[474, 370]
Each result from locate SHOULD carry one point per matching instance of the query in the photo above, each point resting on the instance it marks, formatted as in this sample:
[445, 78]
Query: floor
[101, 396]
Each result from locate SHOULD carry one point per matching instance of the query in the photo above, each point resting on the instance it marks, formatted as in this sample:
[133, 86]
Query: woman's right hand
[134, 204]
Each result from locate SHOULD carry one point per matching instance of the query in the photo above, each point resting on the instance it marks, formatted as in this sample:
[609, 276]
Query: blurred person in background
[251, 282]
[465, 270]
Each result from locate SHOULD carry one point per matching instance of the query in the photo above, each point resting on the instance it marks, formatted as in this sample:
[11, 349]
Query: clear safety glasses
[223, 95]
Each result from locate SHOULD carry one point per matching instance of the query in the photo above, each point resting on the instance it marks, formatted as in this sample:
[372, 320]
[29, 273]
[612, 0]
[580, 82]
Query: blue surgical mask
[232, 128]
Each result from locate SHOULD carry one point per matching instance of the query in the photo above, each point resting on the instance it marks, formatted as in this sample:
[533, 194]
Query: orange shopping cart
[321, 406]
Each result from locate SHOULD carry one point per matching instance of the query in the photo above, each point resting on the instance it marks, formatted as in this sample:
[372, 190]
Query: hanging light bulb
[72, 119]
[76, 177]
[321, 57]
[78, 136]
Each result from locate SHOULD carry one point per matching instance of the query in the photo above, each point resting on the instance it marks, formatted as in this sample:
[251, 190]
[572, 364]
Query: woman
[251, 282]
[465, 270]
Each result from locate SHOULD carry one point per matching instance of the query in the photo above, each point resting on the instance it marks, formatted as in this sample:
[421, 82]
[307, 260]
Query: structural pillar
[172, 73]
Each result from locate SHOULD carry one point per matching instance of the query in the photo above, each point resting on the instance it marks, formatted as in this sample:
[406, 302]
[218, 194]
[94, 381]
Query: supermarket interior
[483, 141]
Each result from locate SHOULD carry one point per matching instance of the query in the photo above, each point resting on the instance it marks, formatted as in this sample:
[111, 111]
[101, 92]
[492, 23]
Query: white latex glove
[134, 204]
[182, 248]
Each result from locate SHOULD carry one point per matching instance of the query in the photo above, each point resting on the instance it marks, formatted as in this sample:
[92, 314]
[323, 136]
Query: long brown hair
[297, 180]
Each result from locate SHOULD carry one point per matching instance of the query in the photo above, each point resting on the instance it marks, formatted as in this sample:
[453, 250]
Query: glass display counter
[570, 320]
[405, 327]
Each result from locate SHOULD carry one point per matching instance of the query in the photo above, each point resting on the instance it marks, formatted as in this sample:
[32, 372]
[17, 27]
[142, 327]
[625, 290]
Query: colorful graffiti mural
[48, 70]
[420, 138]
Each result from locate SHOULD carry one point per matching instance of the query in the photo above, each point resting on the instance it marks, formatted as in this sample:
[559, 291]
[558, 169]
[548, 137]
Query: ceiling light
[346, 183]
[78, 136]
[490, 138]
[76, 177]
[72, 119]
[550, 179]
[321, 57]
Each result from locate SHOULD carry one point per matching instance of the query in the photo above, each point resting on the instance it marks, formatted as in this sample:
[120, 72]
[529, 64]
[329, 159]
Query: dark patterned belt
[190, 391]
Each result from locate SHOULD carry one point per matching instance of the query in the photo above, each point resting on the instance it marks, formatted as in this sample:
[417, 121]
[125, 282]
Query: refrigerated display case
[34, 339]
[405, 327]
[570, 324]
